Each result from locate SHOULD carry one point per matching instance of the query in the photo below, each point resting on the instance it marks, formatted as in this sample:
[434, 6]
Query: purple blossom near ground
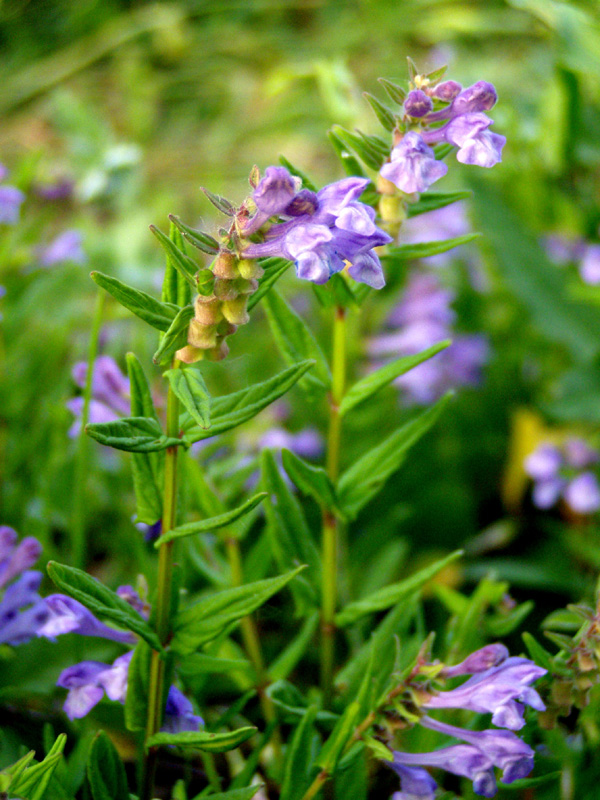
[22, 609]
[422, 318]
[110, 393]
[565, 473]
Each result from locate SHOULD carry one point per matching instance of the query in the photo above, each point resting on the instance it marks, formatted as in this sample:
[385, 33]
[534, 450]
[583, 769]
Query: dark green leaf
[292, 705]
[105, 770]
[134, 434]
[101, 600]
[299, 758]
[382, 112]
[503, 624]
[176, 337]
[537, 652]
[203, 740]
[188, 384]
[394, 594]
[366, 477]
[268, 280]
[296, 341]
[232, 410]
[209, 617]
[201, 664]
[375, 381]
[247, 793]
[311, 480]
[410, 252]
[220, 203]
[159, 315]
[138, 681]
[351, 777]
[306, 181]
[213, 523]
[430, 201]
[182, 263]
[196, 238]
[395, 92]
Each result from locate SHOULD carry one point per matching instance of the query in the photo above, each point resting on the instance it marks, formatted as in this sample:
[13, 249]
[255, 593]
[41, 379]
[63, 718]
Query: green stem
[78, 532]
[156, 691]
[330, 524]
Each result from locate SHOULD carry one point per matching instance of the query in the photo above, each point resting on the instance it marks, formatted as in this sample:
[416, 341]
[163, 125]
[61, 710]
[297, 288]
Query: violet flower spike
[413, 167]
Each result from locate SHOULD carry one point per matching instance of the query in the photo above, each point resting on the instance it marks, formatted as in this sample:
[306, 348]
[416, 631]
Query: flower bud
[235, 310]
[249, 268]
[225, 289]
[225, 266]
[207, 313]
[481, 96]
[417, 104]
[202, 336]
[189, 354]
[446, 91]
[479, 661]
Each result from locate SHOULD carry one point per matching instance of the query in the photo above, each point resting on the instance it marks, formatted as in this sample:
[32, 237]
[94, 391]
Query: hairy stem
[330, 524]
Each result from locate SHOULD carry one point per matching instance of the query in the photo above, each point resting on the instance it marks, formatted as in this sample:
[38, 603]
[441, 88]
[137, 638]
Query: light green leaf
[159, 315]
[430, 201]
[538, 653]
[105, 770]
[299, 758]
[391, 595]
[339, 737]
[33, 782]
[182, 263]
[367, 476]
[208, 618]
[247, 793]
[203, 740]
[204, 525]
[176, 337]
[188, 384]
[134, 434]
[372, 383]
[231, 410]
[201, 664]
[311, 480]
[101, 600]
[296, 341]
[410, 252]
[292, 704]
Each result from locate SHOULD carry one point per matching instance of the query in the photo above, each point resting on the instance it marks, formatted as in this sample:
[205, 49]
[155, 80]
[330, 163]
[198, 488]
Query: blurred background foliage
[139, 104]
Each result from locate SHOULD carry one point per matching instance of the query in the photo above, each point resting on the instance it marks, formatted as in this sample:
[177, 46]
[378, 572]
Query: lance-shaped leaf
[138, 680]
[367, 476]
[105, 770]
[203, 241]
[203, 740]
[182, 263]
[350, 164]
[159, 315]
[430, 201]
[221, 203]
[188, 384]
[296, 341]
[372, 383]
[391, 595]
[208, 618]
[292, 704]
[311, 480]
[146, 467]
[204, 525]
[396, 93]
[538, 653]
[101, 600]
[410, 252]
[134, 434]
[176, 337]
[382, 112]
[306, 181]
[370, 149]
[299, 758]
[33, 782]
[231, 410]
[274, 268]
[442, 150]
[289, 658]
[338, 739]
[247, 793]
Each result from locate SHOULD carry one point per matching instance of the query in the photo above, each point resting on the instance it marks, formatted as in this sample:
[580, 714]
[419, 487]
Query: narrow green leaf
[306, 181]
[182, 263]
[311, 480]
[396, 93]
[538, 653]
[367, 476]
[33, 782]
[101, 600]
[134, 434]
[231, 410]
[287, 660]
[220, 203]
[203, 740]
[410, 252]
[292, 705]
[213, 523]
[364, 148]
[176, 337]
[268, 280]
[504, 624]
[339, 737]
[209, 617]
[201, 664]
[430, 201]
[351, 777]
[296, 341]
[199, 239]
[159, 315]
[138, 681]
[372, 383]
[188, 384]
[299, 758]
[247, 793]
[351, 166]
[394, 594]
[382, 112]
[442, 150]
[105, 770]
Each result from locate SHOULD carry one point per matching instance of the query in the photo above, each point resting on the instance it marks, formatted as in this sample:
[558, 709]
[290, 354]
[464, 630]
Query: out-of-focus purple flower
[417, 103]
[460, 759]
[307, 443]
[84, 689]
[413, 167]
[66, 615]
[16, 558]
[11, 200]
[489, 656]
[110, 393]
[589, 268]
[544, 463]
[151, 532]
[583, 493]
[556, 474]
[561, 249]
[66, 247]
[578, 453]
[442, 223]
[503, 691]
[323, 232]
[179, 713]
[61, 189]
[3, 172]
[22, 610]
[416, 783]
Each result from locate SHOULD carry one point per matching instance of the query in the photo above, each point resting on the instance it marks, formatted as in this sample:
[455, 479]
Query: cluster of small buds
[22, 610]
[110, 393]
[11, 200]
[464, 124]
[220, 307]
[421, 319]
[564, 473]
[499, 685]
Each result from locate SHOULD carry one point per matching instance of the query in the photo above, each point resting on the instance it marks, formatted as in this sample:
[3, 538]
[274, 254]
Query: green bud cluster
[220, 307]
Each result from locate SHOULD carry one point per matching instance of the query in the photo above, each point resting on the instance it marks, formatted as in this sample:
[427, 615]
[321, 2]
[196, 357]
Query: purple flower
[11, 200]
[589, 268]
[66, 247]
[60, 189]
[179, 713]
[477, 145]
[442, 223]
[479, 661]
[22, 610]
[460, 759]
[579, 454]
[413, 167]
[15, 559]
[84, 689]
[544, 463]
[417, 103]
[3, 172]
[503, 691]
[110, 393]
[481, 96]
[446, 91]
[66, 615]
[583, 493]
[307, 443]
[552, 471]
[416, 783]
[272, 196]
